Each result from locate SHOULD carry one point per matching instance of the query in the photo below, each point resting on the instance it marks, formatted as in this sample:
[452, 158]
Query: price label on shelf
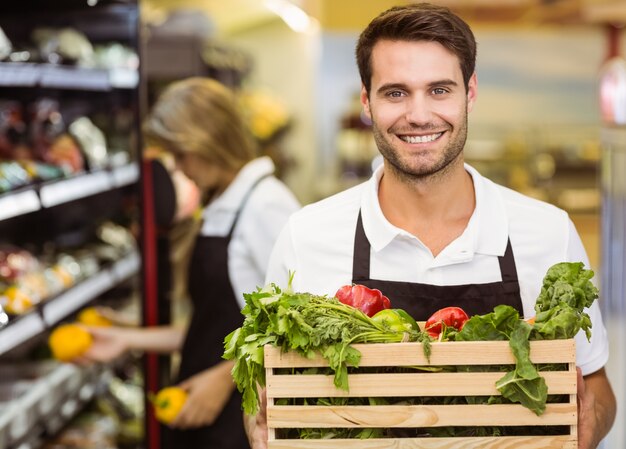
[19, 203]
[125, 175]
[21, 330]
[74, 78]
[126, 267]
[16, 74]
[124, 78]
[74, 298]
[74, 188]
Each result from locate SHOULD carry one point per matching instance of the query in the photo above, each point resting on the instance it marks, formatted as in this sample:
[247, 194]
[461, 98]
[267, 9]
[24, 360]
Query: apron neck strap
[362, 247]
[244, 201]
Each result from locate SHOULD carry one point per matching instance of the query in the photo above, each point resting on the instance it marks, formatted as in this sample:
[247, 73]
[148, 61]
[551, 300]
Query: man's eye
[439, 91]
[395, 94]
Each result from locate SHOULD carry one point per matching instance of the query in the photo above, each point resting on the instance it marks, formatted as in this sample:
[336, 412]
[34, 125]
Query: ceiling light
[293, 16]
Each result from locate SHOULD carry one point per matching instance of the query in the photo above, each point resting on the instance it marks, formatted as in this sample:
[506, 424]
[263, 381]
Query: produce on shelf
[168, 403]
[91, 317]
[27, 280]
[69, 341]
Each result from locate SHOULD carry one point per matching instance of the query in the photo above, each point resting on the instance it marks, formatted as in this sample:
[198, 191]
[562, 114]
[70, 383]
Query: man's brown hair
[418, 22]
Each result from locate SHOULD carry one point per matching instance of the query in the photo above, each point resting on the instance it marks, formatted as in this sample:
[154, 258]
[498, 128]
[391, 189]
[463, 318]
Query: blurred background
[550, 122]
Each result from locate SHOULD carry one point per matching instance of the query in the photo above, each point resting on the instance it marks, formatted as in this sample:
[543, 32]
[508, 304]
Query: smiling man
[428, 230]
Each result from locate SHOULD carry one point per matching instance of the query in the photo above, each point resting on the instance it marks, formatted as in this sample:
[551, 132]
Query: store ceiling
[230, 16]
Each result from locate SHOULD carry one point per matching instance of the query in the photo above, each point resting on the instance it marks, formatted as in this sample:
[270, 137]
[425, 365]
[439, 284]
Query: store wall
[285, 63]
[525, 77]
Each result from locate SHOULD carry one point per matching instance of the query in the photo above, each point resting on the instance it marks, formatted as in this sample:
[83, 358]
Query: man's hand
[596, 408]
[256, 425]
[209, 392]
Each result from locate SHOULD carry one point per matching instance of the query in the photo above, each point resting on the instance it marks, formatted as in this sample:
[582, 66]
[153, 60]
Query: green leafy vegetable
[566, 291]
[523, 385]
[307, 324]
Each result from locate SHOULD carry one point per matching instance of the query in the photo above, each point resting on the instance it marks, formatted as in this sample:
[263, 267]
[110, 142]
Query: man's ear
[472, 90]
[365, 102]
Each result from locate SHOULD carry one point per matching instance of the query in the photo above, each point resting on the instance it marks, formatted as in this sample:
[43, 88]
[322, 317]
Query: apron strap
[243, 203]
[507, 264]
[361, 257]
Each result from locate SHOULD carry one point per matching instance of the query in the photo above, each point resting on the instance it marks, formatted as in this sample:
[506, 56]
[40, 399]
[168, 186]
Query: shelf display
[70, 108]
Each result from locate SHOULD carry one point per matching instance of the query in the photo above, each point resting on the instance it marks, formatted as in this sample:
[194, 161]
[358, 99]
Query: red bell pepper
[450, 316]
[367, 300]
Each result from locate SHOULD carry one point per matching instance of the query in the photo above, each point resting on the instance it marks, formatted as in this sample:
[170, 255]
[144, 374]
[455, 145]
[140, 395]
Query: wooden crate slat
[534, 442]
[448, 353]
[388, 416]
[405, 384]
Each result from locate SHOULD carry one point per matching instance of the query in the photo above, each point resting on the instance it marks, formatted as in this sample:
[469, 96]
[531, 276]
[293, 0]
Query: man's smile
[420, 139]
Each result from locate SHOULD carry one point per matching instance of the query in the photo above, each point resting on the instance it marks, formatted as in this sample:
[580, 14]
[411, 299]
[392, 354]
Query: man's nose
[418, 111]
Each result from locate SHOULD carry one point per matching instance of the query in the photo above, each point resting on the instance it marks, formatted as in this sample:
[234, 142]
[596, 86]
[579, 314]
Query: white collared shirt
[318, 245]
[264, 214]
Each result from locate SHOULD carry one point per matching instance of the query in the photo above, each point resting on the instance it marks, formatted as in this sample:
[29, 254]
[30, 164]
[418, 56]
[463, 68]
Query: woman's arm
[110, 343]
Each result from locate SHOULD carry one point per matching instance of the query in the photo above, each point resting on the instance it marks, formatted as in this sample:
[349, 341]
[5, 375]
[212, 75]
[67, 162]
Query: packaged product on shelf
[63, 46]
[92, 142]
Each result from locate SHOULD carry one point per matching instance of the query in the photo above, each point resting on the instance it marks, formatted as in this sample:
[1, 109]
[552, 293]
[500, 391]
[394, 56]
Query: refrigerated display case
[613, 186]
[69, 169]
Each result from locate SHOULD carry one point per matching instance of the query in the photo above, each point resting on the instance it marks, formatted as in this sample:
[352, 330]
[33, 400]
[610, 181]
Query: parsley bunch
[305, 323]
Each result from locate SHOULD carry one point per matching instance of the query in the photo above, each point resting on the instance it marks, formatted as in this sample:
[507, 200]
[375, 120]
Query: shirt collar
[489, 223]
[486, 232]
[234, 194]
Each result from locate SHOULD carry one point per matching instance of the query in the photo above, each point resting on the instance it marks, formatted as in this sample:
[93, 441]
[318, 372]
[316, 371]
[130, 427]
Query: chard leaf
[523, 385]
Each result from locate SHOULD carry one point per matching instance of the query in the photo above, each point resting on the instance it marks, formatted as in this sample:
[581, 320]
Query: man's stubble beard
[405, 172]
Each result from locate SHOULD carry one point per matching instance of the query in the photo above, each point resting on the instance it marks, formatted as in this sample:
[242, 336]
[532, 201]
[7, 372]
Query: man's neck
[435, 209]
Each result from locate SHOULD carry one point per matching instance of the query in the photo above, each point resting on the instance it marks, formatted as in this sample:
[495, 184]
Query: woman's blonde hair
[201, 116]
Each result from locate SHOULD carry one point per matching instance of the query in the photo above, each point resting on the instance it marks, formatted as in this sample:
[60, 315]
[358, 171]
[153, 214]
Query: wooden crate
[419, 383]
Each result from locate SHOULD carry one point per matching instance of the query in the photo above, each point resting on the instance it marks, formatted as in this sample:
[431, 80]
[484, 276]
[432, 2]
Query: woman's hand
[109, 343]
[209, 392]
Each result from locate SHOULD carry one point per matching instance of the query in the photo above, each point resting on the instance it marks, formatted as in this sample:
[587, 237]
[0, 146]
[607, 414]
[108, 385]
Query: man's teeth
[421, 139]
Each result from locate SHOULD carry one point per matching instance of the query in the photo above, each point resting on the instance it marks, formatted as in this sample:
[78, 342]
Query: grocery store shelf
[125, 175]
[53, 193]
[15, 74]
[18, 203]
[57, 308]
[47, 401]
[72, 189]
[24, 328]
[76, 297]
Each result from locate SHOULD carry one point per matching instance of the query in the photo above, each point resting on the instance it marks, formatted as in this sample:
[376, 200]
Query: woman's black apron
[215, 314]
[422, 300]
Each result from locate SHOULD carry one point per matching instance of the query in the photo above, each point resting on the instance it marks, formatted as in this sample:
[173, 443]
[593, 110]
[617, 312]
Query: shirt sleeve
[282, 260]
[259, 227]
[590, 355]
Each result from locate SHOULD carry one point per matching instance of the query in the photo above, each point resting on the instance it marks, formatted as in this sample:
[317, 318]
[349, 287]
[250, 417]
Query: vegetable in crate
[443, 319]
[567, 290]
[370, 301]
[307, 324]
[397, 320]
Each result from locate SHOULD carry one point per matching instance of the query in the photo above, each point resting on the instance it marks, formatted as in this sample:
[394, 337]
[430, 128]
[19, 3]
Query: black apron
[422, 300]
[215, 314]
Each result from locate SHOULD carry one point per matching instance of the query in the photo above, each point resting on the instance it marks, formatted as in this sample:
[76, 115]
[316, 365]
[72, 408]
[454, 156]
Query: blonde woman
[198, 121]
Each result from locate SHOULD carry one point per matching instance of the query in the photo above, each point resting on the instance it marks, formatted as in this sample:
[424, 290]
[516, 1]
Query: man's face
[418, 105]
